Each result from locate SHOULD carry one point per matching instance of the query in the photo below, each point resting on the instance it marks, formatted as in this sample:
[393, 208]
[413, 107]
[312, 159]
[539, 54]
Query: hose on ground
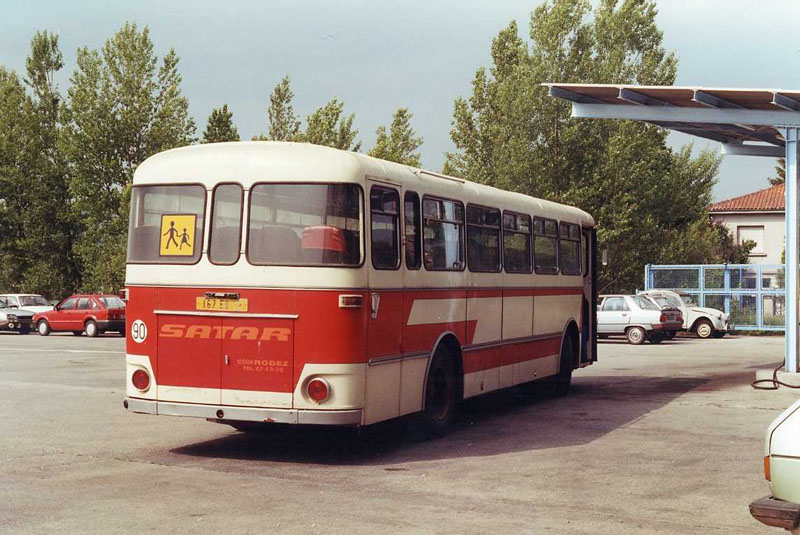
[773, 383]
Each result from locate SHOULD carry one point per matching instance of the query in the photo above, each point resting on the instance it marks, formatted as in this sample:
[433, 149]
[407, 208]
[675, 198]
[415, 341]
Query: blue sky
[378, 56]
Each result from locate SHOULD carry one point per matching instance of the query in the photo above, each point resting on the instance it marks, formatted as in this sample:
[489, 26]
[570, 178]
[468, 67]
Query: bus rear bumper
[223, 413]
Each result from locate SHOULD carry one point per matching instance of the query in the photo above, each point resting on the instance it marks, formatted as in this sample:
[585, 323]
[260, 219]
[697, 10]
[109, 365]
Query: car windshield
[112, 301]
[644, 304]
[3, 303]
[32, 301]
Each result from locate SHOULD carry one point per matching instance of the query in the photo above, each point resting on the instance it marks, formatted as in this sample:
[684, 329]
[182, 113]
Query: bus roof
[250, 162]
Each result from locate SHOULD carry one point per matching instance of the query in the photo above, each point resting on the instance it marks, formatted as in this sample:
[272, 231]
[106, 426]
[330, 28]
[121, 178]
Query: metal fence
[754, 295]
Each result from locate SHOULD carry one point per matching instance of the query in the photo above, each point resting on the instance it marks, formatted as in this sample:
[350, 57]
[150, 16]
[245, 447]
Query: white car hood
[37, 309]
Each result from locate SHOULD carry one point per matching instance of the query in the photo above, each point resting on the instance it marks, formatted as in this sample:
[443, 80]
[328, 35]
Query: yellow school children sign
[177, 235]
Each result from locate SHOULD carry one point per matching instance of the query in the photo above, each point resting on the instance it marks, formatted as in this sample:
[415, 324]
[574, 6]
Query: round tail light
[318, 390]
[663, 318]
[141, 380]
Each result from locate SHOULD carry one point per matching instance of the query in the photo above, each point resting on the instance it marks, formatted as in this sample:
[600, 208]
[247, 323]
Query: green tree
[123, 107]
[400, 142]
[284, 125]
[509, 133]
[14, 146]
[780, 173]
[326, 126]
[220, 126]
[48, 222]
[36, 238]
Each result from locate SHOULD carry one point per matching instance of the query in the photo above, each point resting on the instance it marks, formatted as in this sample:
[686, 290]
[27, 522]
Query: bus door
[385, 300]
[189, 357]
[589, 301]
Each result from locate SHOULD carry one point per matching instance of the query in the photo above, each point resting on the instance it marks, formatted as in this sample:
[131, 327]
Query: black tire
[91, 329]
[636, 335]
[704, 329]
[669, 335]
[441, 394]
[719, 334]
[562, 381]
[43, 328]
[656, 338]
[77, 333]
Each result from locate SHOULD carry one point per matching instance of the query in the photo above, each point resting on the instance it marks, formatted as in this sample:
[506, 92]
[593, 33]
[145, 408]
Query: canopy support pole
[792, 257]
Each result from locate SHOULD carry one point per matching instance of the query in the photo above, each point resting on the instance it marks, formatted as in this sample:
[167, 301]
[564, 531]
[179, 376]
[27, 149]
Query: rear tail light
[318, 390]
[662, 318]
[141, 380]
[767, 474]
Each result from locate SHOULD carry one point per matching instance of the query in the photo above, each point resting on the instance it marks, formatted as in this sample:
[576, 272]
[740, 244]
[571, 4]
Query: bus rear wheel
[562, 381]
[441, 394]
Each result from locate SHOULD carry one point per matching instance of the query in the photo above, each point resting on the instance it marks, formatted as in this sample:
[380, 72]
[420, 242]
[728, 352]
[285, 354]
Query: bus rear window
[166, 224]
[305, 225]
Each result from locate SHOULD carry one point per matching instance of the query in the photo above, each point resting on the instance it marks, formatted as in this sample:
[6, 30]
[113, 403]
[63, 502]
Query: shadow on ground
[498, 423]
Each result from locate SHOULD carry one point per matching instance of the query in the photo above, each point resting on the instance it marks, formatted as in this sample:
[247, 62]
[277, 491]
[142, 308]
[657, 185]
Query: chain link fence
[754, 295]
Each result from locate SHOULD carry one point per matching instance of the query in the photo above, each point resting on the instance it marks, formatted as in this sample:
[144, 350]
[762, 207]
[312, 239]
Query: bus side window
[226, 224]
[412, 230]
[569, 244]
[443, 234]
[385, 215]
[483, 239]
[516, 243]
[545, 246]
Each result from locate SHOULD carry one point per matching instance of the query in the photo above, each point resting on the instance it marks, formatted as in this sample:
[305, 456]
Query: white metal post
[792, 221]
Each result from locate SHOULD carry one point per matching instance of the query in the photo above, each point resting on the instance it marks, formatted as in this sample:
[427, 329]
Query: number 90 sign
[138, 331]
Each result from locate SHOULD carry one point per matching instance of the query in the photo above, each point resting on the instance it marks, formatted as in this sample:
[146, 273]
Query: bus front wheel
[441, 393]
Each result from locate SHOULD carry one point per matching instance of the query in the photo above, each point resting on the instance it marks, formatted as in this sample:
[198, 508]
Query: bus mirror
[604, 256]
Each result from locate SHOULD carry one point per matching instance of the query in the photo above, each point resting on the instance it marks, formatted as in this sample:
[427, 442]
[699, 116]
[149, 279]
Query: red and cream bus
[283, 282]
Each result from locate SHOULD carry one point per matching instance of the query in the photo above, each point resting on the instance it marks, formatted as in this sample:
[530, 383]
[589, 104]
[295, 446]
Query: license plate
[222, 305]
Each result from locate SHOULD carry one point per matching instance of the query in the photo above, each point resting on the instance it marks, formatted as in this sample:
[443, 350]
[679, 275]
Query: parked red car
[92, 313]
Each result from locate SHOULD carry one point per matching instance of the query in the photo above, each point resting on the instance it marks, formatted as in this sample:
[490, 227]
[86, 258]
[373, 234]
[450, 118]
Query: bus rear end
[247, 302]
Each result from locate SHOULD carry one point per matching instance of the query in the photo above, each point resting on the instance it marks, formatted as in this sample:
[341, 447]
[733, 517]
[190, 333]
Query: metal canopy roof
[745, 121]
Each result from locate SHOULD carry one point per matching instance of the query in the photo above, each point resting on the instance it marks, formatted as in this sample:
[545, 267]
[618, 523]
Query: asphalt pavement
[652, 439]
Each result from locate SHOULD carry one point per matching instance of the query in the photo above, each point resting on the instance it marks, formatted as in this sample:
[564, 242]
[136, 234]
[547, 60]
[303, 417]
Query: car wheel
[77, 333]
[704, 329]
[91, 329]
[636, 335]
[719, 334]
[441, 392]
[43, 328]
[564, 377]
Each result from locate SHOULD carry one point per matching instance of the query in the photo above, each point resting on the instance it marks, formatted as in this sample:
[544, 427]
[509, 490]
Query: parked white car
[782, 469]
[13, 319]
[31, 302]
[635, 317]
[704, 321]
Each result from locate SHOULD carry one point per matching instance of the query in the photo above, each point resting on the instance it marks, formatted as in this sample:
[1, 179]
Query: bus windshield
[166, 224]
[305, 225]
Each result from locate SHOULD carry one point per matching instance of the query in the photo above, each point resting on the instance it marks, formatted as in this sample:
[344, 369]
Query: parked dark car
[90, 313]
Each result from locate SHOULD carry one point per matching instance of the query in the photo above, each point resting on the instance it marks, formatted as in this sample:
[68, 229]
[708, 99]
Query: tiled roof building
[766, 200]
